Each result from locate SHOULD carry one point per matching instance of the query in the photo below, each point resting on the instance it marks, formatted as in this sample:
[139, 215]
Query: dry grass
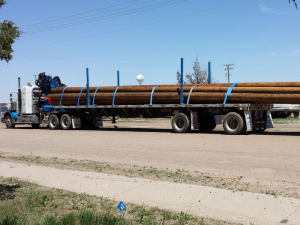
[177, 176]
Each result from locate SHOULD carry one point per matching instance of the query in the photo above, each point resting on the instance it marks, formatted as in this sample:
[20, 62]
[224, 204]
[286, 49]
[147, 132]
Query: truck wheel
[9, 122]
[181, 123]
[66, 122]
[54, 122]
[296, 114]
[207, 124]
[233, 123]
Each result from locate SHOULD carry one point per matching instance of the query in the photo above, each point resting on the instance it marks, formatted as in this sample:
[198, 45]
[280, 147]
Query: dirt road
[273, 155]
[270, 158]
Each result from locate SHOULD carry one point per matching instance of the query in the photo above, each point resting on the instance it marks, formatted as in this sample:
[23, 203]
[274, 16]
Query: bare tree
[294, 2]
[198, 76]
[178, 78]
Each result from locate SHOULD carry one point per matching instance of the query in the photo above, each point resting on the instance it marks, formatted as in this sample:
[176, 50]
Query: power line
[128, 12]
[228, 68]
[61, 18]
[115, 8]
[139, 26]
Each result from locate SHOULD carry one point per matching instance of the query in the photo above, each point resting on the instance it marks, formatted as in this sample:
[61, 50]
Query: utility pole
[228, 68]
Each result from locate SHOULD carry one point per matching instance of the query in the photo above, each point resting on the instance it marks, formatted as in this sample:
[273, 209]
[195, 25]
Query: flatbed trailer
[237, 118]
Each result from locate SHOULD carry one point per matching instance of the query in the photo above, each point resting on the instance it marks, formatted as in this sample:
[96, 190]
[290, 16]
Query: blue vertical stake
[118, 77]
[181, 79]
[88, 87]
[209, 73]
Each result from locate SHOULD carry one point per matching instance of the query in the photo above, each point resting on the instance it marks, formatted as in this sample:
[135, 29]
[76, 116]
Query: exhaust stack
[19, 97]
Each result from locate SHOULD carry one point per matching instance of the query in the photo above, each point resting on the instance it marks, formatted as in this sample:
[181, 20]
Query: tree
[198, 76]
[8, 34]
[2, 2]
[178, 77]
[294, 2]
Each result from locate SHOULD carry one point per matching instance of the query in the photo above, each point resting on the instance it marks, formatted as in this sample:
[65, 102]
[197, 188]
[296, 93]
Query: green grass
[25, 203]
[286, 120]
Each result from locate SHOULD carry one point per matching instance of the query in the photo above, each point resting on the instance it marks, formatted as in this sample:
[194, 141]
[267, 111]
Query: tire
[181, 123]
[233, 123]
[54, 122]
[296, 114]
[9, 122]
[66, 122]
[207, 123]
[35, 126]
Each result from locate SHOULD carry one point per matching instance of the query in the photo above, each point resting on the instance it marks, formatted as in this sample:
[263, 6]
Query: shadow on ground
[7, 191]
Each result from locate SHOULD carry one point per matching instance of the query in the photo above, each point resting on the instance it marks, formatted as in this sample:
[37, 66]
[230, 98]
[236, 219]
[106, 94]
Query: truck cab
[27, 109]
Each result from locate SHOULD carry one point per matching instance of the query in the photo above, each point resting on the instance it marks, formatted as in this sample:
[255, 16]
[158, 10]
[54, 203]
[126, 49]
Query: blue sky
[149, 37]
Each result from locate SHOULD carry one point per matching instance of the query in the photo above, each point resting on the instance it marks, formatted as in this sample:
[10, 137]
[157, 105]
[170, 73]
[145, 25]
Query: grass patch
[34, 204]
[286, 120]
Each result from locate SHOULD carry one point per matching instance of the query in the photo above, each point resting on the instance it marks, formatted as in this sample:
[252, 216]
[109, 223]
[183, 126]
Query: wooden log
[196, 98]
[281, 87]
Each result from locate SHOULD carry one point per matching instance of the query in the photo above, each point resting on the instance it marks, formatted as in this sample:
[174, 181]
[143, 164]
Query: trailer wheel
[9, 122]
[207, 124]
[54, 122]
[296, 114]
[181, 123]
[233, 123]
[66, 122]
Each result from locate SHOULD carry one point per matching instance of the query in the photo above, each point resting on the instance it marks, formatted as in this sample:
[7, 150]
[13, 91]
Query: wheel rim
[179, 122]
[52, 122]
[8, 122]
[65, 121]
[232, 123]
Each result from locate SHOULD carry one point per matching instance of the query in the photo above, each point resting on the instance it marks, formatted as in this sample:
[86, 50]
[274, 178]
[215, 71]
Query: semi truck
[34, 107]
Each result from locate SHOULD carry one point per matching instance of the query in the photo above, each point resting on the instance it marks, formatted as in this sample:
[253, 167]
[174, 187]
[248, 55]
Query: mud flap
[99, 124]
[76, 122]
[218, 120]
[194, 121]
[269, 120]
[248, 118]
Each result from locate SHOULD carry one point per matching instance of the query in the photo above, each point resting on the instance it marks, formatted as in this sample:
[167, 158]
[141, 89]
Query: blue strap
[62, 95]
[113, 103]
[152, 93]
[95, 96]
[79, 97]
[191, 93]
[229, 92]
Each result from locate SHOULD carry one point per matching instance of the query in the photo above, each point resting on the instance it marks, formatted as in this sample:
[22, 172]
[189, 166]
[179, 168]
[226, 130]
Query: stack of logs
[269, 93]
